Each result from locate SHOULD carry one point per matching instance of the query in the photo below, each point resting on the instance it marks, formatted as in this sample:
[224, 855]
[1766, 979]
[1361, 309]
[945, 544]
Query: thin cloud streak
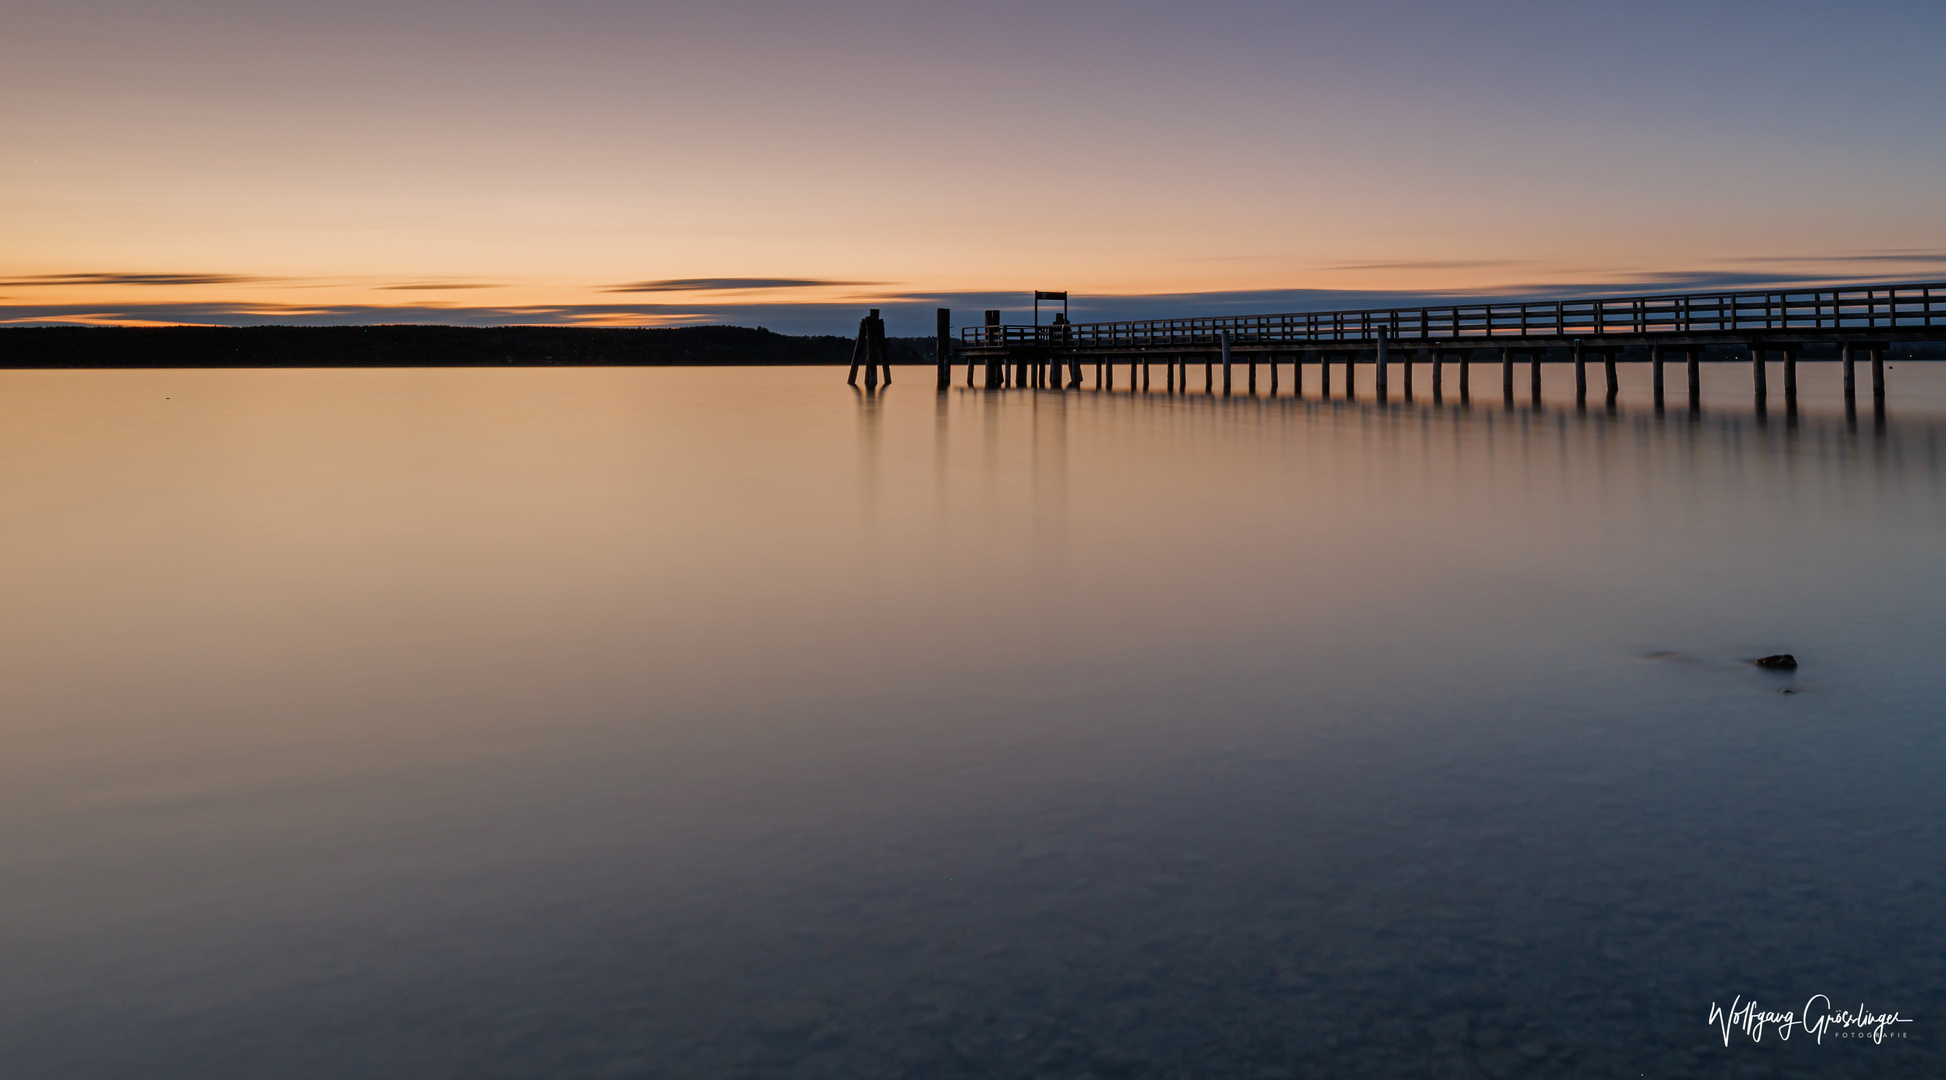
[1428, 264]
[63, 280]
[729, 284]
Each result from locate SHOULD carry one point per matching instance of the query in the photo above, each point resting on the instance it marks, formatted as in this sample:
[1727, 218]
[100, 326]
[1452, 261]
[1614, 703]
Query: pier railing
[1851, 309]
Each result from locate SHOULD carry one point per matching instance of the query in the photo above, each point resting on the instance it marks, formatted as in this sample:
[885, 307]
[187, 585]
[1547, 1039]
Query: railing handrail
[1842, 307]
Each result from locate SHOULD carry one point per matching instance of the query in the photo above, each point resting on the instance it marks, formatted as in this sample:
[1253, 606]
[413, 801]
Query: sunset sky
[786, 163]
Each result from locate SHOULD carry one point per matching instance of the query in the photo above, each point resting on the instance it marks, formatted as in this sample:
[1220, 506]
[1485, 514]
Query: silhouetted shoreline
[427, 346]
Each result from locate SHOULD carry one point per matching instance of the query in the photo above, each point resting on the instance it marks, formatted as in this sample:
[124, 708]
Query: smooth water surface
[730, 723]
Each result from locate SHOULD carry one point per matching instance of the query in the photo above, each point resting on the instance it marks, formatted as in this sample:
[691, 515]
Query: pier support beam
[1655, 366]
[1507, 374]
[1534, 373]
[1608, 369]
[1324, 376]
[1695, 358]
[1878, 371]
[1851, 370]
[1438, 374]
[1580, 373]
[1383, 365]
[1223, 343]
[1759, 378]
[1790, 371]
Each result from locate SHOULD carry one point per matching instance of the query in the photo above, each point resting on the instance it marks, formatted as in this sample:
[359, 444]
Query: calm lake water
[728, 723]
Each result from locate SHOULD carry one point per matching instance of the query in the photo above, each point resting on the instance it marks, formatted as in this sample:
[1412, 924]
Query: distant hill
[426, 346]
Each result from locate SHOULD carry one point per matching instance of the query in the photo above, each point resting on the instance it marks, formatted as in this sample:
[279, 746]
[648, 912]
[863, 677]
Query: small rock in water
[1780, 662]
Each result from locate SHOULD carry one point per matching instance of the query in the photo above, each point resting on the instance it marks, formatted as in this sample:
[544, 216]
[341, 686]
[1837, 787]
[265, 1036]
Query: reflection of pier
[1744, 327]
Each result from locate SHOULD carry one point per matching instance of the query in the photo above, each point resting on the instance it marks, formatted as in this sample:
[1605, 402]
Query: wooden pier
[1750, 326]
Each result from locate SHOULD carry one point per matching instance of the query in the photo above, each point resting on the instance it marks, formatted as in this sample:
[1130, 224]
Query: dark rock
[1780, 662]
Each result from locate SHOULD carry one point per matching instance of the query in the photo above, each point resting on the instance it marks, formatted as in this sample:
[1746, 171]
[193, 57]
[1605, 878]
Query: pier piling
[944, 330]
[1224, 344]
[1382, 378]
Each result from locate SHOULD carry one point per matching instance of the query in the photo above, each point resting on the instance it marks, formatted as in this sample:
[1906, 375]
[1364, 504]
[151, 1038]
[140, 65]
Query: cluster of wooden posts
[870, 351]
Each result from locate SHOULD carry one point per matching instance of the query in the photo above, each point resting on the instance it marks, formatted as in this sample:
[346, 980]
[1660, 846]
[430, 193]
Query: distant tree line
[427, 346]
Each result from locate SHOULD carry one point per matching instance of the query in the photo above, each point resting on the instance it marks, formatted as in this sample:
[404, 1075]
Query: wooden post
[1405, 368]
[1466, 375]
[1534, 375]
[1324, 376]
[1382, 366]
[1695, 357]
[1170, 371]
[1790, 371]
[996, 366]
[1145, 374]
[1655, 366]
[1507, 374]
[858, 349]
[1608, 368]
[1580, 372]
[1223, 342]
[1208, 375]
[1757, 374]
[1438, 374]
[1074, 373]
[1297, 375]
[1253, 374]
[1878, 371]
[945, 330]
